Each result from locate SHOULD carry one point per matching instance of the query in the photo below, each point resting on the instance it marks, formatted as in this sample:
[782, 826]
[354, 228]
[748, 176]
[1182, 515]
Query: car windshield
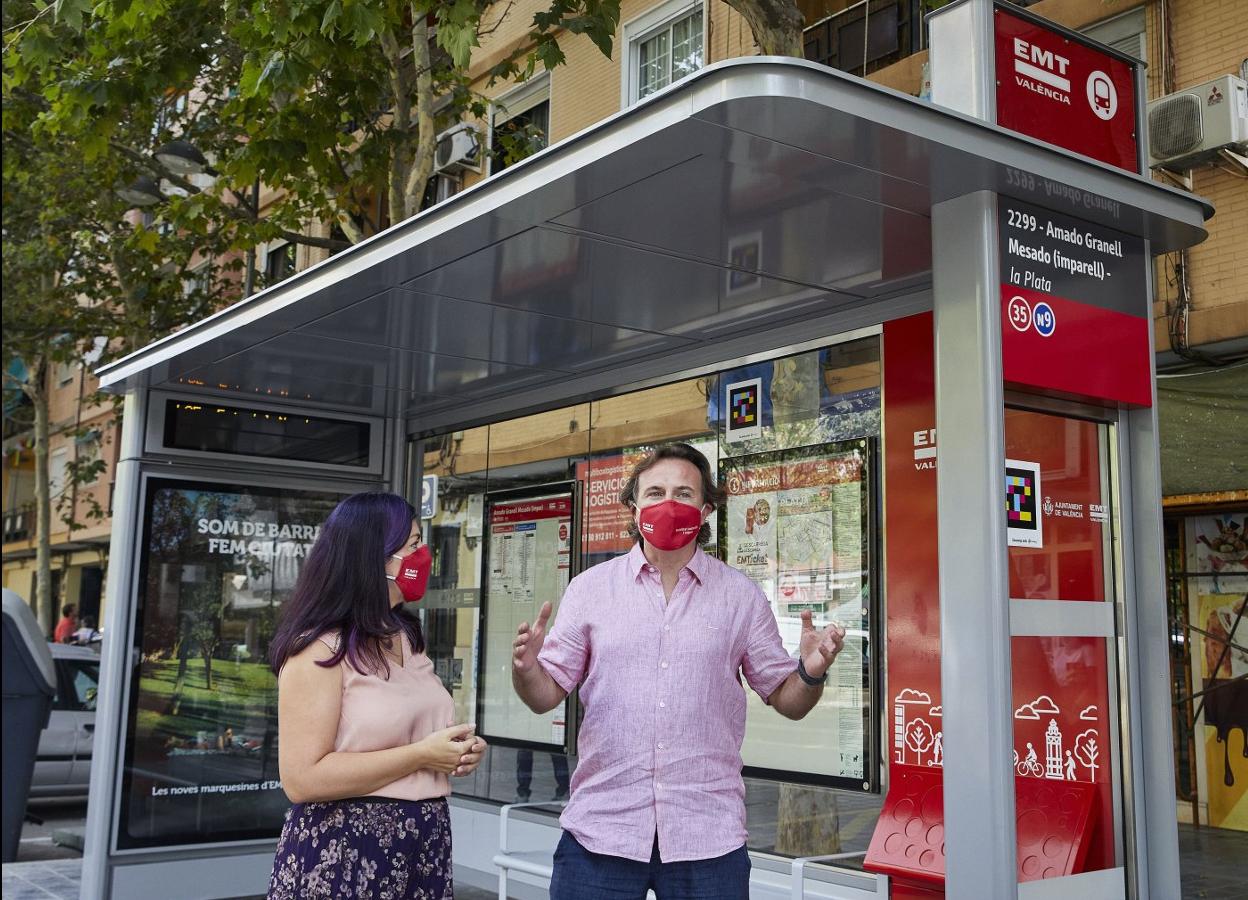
[84, 683]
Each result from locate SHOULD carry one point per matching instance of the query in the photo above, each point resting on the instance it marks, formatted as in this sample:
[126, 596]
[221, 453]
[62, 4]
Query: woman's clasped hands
[452, 751]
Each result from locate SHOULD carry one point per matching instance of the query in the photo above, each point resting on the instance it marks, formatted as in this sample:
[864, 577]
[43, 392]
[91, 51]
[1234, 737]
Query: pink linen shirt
[660, 746]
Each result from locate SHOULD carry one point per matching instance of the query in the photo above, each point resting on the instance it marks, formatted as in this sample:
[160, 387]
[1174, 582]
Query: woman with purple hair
[365, 727]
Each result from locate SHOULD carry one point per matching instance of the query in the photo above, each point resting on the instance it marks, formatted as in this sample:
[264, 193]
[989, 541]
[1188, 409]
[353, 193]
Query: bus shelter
[919, 347]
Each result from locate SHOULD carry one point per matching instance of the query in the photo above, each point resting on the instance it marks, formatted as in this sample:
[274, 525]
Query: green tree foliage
[82, 279]
[329, 102]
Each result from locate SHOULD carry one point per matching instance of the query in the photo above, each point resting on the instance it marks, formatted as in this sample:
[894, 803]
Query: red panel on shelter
[1065, 92]
[1053, 819]
[909, 839]
[1053, 826]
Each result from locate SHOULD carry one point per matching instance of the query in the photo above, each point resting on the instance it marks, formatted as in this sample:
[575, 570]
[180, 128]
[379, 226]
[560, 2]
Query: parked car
[63, 762]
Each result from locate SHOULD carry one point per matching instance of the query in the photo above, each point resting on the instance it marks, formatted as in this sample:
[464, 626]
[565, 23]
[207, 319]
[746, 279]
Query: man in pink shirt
[657, 640]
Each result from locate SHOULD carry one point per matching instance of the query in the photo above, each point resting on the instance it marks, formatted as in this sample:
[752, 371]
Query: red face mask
[671, 524]
[413, 575]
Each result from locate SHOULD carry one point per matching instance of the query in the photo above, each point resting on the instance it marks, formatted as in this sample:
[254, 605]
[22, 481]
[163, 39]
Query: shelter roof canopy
[750, 196]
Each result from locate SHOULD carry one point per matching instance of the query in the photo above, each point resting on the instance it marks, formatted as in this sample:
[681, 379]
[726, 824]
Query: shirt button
[667, 627]
[663, 665]
[662, 705]
[660, 746]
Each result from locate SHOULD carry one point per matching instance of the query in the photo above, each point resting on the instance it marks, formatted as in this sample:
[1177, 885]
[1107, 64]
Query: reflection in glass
[826, 395]
[1061, 551]
[807, 404]
[455, 533]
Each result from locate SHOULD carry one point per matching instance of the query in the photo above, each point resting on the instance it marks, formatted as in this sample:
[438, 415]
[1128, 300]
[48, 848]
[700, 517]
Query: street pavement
[1214, 862]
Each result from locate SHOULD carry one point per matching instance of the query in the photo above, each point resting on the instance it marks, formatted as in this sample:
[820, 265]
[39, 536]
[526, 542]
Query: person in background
[87, 634]
[524, 775]
[657, 640]
[366, 738]
[65, 628]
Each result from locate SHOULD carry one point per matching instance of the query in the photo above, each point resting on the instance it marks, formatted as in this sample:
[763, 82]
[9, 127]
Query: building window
[58, 464]
[1125, 33]
[664, 46]
[87, 454]
[863, 37]
[198, 280]
[279, 263]
[519, 124]
[440, 186]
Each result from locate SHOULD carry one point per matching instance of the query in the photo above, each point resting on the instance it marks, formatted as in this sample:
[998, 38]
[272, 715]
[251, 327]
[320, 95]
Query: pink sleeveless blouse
[379, 713]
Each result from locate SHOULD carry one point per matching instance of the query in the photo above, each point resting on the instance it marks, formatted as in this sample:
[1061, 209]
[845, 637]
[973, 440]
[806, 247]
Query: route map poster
[795, 522]
[528, 564]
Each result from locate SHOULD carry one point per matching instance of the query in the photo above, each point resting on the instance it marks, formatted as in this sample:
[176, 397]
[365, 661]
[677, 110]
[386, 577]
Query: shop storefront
[807, 278]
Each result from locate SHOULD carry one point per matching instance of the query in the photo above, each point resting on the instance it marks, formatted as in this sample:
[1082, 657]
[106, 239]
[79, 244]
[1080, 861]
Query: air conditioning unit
[1187, 127]
[459, 150]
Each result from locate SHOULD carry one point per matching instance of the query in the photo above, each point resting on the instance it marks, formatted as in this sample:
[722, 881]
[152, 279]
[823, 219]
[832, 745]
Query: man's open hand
[528, 642]
[819, 647]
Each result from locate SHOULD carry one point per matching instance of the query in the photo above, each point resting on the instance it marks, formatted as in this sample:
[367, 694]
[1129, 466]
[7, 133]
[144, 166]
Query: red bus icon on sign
[1102, 95]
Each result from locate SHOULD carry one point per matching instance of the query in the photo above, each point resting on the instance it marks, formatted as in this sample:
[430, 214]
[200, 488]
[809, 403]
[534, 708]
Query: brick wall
[1210, 39]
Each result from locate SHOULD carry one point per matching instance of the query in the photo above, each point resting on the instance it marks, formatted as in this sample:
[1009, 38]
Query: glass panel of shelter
[828, 402]
[1061, 516]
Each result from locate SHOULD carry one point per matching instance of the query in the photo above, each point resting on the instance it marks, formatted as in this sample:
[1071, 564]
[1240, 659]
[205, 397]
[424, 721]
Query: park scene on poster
[201, 750]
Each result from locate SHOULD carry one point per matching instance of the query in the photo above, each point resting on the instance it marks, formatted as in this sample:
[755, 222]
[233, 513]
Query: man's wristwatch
[807, 677]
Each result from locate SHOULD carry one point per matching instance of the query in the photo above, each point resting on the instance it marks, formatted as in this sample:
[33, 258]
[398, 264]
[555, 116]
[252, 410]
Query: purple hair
[342, 586]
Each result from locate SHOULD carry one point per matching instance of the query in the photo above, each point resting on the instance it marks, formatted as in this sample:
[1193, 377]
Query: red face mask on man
[413, 575]
[670, 525]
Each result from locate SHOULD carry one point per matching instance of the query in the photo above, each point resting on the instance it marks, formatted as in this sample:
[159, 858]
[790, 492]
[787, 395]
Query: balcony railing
[866, 36]
[19, 523]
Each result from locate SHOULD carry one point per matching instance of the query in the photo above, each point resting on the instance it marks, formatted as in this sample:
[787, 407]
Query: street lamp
[182, 158]
[143, 191]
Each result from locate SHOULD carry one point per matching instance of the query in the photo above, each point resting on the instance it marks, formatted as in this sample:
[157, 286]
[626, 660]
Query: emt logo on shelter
[1042, 71]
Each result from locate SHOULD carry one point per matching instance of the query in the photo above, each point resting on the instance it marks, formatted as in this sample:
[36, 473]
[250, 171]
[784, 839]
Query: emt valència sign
[1063, 90]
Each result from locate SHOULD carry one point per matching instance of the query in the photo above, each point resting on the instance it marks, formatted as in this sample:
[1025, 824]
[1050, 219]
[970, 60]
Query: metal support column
[1154, 852]
[974, 588]
[115, 652]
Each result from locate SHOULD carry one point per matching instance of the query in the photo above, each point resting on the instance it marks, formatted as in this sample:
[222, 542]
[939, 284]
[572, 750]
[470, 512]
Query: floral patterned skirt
[365, 849]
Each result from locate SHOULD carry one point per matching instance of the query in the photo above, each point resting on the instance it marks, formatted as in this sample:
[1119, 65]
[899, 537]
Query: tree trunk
[426, 138]
[776, 25]
[208, 670]
[36, 388]
[179, 682]
[809, 822]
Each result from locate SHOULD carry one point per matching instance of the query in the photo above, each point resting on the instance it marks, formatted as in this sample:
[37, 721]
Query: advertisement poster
[795, 523]
[201, 752]
[528, 564]
[1218, 550]
[605, 530]
[1224, 669]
